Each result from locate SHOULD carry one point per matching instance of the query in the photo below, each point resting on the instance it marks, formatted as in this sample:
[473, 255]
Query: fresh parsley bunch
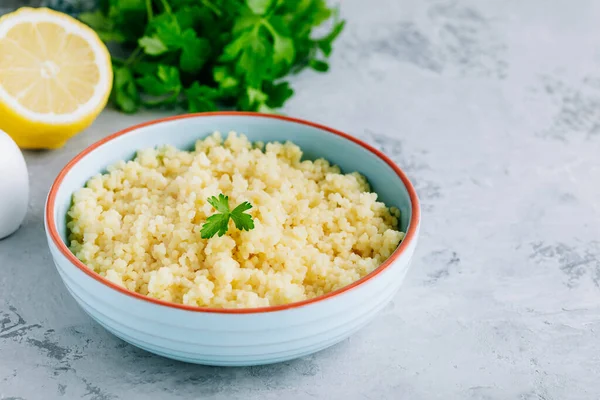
[205, 54]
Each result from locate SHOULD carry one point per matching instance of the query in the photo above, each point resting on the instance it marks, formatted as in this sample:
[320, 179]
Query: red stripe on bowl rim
[410, 235]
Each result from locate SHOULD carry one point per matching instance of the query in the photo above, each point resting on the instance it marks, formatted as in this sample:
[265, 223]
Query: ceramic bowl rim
[410, 237]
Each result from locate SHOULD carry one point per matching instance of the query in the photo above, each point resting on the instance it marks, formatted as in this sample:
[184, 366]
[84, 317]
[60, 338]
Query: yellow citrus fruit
[55, 77]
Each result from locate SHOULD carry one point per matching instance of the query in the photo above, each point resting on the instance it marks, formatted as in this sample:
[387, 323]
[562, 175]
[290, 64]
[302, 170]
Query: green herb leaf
[218, 224]
[318, 65]
[278, 93]
[186, 17]
[326, 42]
[233, 49]
[125, 93]
[152, 45]
[215, 224]
[96, 20]
[165, 81]
[221, 203]
[246, 19]
[131, 5]
[103, 26]
[256, 96]
[129, 17]
[263, 108]
[111, 36]
[228, 84]
[224, 78]
[241, 220]
[259, 7]
[252, 63]
[169, 31]
[194, 52]
[283, 44]
[201, 98]
[145, 68]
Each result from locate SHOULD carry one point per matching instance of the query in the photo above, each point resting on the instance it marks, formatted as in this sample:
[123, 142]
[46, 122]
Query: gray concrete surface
[493, 108]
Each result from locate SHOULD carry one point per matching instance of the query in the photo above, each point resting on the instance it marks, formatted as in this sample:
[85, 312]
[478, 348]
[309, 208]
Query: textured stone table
[493, 108]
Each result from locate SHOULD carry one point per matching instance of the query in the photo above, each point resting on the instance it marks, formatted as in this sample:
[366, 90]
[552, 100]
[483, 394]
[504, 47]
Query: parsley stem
[269, 27]
[166, 6]
[167, 100]
[133, 56]
[149, 9]
[214, 8]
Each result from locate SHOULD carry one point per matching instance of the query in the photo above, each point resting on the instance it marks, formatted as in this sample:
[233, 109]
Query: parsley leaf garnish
[218, 224]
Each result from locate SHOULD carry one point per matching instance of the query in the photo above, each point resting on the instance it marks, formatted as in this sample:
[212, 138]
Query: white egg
[14, 186]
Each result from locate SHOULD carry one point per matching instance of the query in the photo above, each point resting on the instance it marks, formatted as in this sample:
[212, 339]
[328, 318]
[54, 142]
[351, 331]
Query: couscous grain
[316, 229]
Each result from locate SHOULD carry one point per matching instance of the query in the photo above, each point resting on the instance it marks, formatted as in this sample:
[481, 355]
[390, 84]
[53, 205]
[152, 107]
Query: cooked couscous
[315, 229]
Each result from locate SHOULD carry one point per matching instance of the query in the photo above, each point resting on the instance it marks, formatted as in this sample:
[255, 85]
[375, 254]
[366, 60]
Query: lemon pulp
[55, 77]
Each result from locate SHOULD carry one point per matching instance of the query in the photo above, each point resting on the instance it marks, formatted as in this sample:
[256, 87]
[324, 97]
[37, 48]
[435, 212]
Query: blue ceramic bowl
[234, 336]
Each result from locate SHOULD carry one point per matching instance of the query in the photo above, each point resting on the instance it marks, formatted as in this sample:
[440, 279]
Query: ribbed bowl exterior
[233, 339]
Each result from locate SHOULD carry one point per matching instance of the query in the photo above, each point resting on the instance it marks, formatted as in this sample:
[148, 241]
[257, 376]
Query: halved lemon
[55, 77]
